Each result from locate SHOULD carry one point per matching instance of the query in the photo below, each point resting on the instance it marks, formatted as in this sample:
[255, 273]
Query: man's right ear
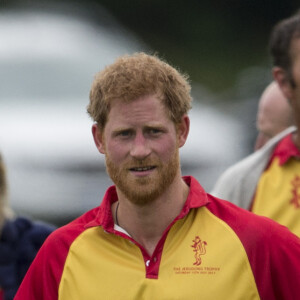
[98, 138]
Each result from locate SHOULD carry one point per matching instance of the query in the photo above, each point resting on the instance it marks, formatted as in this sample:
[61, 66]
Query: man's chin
[142, 181]
[142, 199]
[141, 192]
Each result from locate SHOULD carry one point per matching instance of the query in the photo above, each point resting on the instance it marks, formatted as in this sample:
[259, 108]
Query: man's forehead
[146, 107]
[137, 104]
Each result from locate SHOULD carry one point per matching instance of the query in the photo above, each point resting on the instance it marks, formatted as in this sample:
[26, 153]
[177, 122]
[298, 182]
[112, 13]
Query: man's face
[273, 114]
[140, 144]
[266, 118]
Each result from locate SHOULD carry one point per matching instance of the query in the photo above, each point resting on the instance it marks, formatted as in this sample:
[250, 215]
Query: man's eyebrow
[154, 126]
[147, 126]
[121, 129]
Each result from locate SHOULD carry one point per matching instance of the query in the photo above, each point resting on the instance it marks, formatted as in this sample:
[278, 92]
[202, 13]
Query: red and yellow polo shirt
[212, 250]
[278, 190]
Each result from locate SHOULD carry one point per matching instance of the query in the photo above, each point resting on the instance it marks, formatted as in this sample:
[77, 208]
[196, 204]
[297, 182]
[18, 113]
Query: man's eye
[124, 133]
[154, 131]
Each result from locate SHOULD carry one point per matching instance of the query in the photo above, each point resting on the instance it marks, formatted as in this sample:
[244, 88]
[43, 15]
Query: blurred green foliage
[210, 40]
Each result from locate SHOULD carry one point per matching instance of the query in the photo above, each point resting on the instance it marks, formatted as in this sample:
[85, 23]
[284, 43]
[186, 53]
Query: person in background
[156, 234]
[20, 239]
[268, 181]
[274, 114]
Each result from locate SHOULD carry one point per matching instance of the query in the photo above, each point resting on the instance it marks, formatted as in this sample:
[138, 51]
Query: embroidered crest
[295, 201]
[199, 249]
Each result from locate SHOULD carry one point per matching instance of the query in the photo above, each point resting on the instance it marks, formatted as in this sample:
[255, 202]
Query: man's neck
[146, 224]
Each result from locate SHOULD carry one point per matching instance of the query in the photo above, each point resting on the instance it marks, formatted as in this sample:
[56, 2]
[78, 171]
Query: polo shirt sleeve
[274, 256]
[284, 265]
[273, 251]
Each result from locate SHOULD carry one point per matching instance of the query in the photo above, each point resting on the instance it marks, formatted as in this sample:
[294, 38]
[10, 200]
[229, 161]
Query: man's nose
[140, 148]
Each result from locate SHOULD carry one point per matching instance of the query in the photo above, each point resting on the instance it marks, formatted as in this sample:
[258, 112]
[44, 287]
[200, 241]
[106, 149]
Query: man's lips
[142, 169]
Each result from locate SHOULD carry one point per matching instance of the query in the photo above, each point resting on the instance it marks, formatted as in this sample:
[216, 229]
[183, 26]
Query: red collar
[286, 149]
[197, 197]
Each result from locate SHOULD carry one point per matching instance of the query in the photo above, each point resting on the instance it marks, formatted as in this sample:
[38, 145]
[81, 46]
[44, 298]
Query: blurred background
[50, 52]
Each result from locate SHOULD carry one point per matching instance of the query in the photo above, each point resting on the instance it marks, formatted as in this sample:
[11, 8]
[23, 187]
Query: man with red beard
[156, 234]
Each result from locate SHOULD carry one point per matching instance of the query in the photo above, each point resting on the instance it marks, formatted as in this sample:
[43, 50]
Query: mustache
[133, 163]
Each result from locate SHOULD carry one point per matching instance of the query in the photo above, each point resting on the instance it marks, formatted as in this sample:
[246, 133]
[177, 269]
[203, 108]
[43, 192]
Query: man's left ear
[282, 79]
[183, 129]
[98, 138]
